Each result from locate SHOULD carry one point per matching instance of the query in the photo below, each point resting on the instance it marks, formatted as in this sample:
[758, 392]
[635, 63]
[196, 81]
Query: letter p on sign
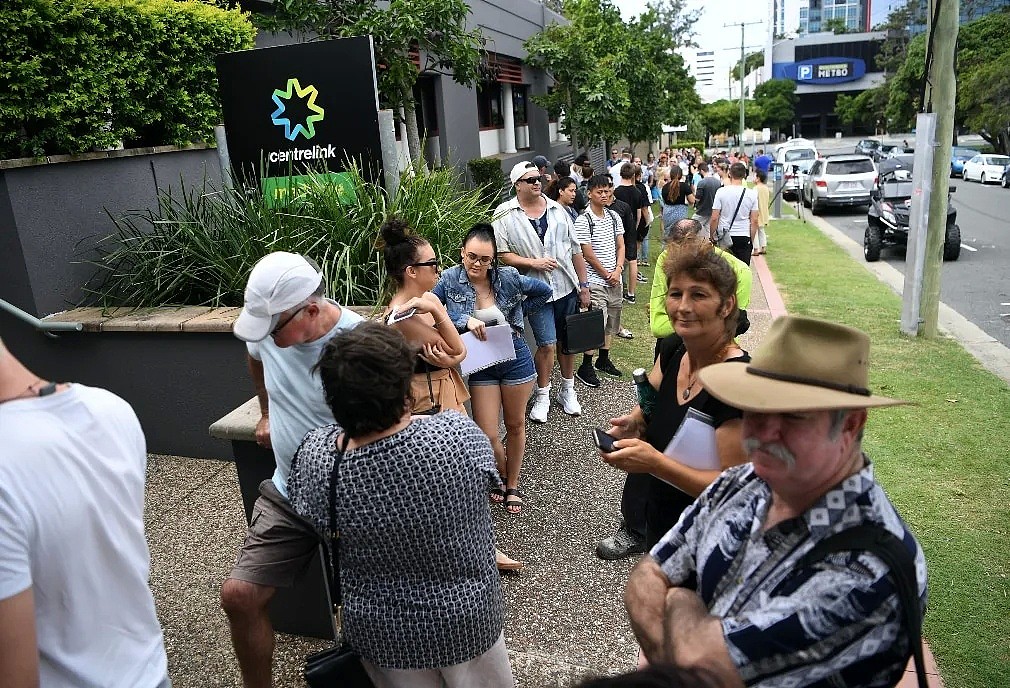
[805, 72]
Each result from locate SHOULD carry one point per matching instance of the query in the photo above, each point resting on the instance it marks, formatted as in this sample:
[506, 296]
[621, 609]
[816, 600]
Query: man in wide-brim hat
[725, 588]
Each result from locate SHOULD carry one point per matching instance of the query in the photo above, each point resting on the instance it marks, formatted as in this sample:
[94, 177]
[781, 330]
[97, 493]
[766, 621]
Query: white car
[985, 168]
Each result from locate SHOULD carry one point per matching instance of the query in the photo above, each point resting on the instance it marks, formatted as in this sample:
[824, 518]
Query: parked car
[958, 157]
[985, 168]
[869, 148]
[885, 150]
[887, 219]
[1005, 179]
[796, 162]
[895, 151]
[839, 180]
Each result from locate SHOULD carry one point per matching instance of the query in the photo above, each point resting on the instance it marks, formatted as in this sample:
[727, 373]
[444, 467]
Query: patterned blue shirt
[835, 623]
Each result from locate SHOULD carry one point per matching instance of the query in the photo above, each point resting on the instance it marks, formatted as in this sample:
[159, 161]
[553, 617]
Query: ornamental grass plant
[198, 247]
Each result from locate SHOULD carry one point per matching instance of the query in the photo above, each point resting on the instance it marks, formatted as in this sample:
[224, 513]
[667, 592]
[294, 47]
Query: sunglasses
[478, 260]
[532, 180]
[433, 263]
[280, 326]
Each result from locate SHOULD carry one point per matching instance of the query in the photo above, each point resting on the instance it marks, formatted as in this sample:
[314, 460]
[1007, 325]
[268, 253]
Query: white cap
[519, 169]
[278, 282]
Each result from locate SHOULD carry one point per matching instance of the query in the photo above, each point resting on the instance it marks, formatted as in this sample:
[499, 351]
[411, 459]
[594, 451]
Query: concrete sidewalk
[565, 617]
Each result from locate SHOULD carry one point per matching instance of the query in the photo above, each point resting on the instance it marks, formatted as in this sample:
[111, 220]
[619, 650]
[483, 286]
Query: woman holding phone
[413, 266]
[478, 294]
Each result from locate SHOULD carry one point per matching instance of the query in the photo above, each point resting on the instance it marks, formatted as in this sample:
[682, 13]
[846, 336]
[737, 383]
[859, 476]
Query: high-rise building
[970, 10]
[701, 65]
[815, 15]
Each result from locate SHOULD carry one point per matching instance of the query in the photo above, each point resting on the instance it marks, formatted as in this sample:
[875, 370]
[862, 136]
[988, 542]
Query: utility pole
[940, 96]
[743, 69]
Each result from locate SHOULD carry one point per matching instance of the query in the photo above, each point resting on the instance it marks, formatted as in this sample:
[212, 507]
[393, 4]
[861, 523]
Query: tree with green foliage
[866, 110]
[723, 116]
[660, 88]
[751, 62]
[435, 28]
[585, 58]
[776, 99]
[835, 25]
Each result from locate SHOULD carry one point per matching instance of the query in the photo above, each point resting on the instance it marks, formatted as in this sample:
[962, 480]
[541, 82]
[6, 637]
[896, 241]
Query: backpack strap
[879, 541]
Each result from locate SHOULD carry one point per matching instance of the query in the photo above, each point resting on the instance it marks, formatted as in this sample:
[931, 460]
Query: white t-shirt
[72, 470]
[297, 404]
[725, 202]
[600, 233]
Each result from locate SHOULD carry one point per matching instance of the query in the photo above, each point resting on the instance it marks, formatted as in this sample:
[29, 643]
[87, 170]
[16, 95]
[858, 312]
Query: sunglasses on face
[281, 325]
[433, 263]
[478, 260]
[532, 180]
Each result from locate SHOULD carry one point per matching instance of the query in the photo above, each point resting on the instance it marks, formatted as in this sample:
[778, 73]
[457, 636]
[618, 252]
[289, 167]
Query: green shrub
[76, 75]
[199, 247]
[487, 176]
[700, 145]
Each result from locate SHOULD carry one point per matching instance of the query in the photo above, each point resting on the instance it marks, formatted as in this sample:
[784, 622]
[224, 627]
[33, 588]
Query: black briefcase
[582, 332]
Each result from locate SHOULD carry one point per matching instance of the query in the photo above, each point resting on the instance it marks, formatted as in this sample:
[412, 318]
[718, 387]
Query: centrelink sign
[293, 108]
[821, 71]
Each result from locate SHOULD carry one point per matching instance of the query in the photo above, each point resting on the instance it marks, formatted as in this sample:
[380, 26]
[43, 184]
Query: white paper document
[694, 442]
[480, 355]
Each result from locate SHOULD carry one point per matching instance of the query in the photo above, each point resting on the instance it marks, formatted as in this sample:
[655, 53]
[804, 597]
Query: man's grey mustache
[752, 444]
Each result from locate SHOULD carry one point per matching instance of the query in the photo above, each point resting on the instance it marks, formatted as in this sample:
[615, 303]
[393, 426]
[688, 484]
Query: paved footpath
[565, 618]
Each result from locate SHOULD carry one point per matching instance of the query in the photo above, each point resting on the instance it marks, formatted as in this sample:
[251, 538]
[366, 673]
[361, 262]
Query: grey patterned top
[834, 623]
[417, 566]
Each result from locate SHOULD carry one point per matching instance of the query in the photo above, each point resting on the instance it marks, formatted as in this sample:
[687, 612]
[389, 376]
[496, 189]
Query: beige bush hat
[803, 364]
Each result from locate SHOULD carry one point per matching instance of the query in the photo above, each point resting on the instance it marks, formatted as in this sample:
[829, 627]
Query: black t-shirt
[666, 502]
[669, 192]
[646, 202]
[627, 215]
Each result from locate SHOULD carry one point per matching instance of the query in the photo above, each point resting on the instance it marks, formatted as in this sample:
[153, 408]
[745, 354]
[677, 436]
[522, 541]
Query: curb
[776, 306]
[988, 351]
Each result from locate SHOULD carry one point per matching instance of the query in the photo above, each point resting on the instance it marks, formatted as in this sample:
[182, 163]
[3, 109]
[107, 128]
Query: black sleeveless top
[666, 502]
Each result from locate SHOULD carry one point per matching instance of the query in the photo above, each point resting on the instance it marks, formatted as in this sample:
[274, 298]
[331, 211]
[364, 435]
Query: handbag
[339, 665]
[722, 238]
[582, 332]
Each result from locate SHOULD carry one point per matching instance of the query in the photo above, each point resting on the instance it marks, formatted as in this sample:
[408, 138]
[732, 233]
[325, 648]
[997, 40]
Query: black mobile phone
[397, 316]
[603, 441]
[491, 323]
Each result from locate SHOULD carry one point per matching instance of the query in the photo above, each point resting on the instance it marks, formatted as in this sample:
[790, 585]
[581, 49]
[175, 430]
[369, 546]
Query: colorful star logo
[307, 130]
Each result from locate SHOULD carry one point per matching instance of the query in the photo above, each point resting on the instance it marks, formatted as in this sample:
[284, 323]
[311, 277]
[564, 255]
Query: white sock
[544, 390]
[567, 382]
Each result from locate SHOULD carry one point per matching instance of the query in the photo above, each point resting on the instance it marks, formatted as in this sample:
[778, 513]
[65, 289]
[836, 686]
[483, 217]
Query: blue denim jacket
[460, 298]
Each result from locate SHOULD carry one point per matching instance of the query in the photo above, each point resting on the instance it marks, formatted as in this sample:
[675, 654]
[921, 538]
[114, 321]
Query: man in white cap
[286, 321]
[535, 235]
[729, 587]
[75, 606]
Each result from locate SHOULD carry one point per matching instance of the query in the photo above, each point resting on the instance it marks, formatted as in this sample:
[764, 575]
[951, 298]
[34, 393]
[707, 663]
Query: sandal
[497, 495]
[507, 563]
[513, 506]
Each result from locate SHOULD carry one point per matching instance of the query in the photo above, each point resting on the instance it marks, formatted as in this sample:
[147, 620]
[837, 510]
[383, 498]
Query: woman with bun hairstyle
[480, 293]
[413, 266]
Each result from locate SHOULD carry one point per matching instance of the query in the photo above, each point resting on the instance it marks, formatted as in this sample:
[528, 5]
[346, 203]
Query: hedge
[78, 75]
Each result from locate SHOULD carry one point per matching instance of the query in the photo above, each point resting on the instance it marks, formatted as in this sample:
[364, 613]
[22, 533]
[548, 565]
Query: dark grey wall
[178, 384]
[55, 213]
[456, 112]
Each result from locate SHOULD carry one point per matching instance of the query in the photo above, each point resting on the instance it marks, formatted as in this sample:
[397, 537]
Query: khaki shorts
[610, 300]
[279, 545]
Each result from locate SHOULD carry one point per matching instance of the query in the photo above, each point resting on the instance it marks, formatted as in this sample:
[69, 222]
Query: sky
[710, 34]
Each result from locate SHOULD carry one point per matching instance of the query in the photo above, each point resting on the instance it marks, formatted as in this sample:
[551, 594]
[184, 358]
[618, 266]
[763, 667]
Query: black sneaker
[587, 375]
[623, 544]
[607, 367]
[630, 298]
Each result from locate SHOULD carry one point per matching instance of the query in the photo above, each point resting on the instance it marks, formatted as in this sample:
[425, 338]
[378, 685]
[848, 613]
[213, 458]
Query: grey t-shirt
[704, 195]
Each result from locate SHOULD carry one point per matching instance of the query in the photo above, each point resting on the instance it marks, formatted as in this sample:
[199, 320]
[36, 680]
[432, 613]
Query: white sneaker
[541, 404]
[569, 402]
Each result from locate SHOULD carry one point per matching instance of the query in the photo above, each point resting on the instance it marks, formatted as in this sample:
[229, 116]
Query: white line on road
[966, 247]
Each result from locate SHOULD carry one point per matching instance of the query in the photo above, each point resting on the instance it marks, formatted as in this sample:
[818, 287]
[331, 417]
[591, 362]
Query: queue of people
[350, 408]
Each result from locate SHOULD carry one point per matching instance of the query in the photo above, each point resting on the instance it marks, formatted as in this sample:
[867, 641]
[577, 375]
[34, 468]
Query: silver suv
[843, 180]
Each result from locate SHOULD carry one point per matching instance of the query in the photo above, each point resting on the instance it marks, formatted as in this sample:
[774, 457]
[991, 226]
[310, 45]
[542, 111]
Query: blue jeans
[546, 321]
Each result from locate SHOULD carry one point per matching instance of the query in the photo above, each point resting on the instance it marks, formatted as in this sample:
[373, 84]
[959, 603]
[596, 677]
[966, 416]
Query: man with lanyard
[535, 235]
[735, 214]
[286, 321]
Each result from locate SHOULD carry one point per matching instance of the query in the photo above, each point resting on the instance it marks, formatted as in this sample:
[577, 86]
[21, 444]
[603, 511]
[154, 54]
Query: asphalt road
[977, 285]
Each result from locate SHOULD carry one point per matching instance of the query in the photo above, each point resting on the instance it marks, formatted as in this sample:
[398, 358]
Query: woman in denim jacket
[477, 294]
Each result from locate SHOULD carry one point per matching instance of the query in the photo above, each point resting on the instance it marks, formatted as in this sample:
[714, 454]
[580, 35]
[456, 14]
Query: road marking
[966, 247]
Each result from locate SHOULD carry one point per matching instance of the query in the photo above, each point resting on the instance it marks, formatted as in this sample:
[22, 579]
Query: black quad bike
[888, 216]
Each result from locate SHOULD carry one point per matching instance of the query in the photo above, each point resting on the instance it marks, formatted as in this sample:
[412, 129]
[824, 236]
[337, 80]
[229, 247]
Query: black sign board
[292, 107]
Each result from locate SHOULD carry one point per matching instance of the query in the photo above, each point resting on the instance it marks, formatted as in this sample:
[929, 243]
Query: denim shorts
[547, 321]
[517, 372]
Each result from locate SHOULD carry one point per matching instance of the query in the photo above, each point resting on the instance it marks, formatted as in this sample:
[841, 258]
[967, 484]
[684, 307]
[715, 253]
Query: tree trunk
[573, 134]
[413, 138]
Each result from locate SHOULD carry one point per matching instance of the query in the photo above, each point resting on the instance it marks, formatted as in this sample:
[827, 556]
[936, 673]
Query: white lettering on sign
[831, 71]
[805, 72]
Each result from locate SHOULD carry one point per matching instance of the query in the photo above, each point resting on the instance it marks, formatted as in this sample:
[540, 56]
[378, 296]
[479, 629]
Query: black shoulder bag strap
[334, 539]
[879, 541]
[744, 193]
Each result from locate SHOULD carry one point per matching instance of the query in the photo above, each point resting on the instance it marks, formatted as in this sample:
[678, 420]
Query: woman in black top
[701, 302]
[677, 195]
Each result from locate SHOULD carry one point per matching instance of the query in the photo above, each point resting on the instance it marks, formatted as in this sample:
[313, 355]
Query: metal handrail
[46, 327]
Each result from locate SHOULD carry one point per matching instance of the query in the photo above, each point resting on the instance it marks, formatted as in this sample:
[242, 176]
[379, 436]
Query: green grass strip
[944, 462]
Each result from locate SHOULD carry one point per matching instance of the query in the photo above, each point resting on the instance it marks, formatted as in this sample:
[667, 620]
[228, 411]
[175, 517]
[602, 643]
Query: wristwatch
[583, 285]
